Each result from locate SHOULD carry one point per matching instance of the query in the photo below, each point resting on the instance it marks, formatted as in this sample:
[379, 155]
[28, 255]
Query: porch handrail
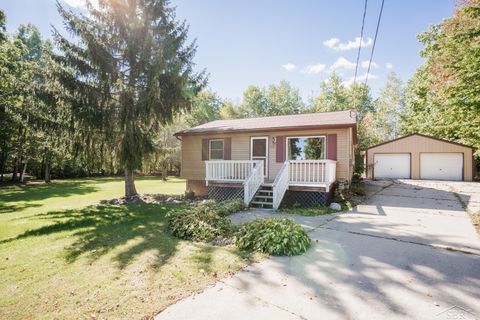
[228, 170]
[280, 185]
[312, 171]
[253, 182]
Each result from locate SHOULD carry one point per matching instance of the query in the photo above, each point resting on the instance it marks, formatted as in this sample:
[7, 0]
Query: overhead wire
[361, 40]
[374, 42]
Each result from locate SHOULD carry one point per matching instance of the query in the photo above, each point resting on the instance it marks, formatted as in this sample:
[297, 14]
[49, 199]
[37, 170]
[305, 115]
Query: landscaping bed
[208, 222]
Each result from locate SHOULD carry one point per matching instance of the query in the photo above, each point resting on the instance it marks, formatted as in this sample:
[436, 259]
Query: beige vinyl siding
[193, 167]
[417, 144]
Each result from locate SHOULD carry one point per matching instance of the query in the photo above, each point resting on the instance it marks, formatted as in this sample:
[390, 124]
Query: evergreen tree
[133, 73]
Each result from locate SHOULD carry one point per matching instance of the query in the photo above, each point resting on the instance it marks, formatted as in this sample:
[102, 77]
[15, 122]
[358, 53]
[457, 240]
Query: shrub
[224, 208]
[204, 222]
[279, 237]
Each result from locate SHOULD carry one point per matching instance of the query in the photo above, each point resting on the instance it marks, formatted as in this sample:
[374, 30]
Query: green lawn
[61, 258]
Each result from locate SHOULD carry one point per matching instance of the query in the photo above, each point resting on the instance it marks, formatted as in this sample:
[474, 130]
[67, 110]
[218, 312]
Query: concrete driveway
[409, 252]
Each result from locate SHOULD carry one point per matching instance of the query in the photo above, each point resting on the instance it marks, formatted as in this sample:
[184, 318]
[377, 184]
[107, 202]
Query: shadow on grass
[98, 230]
[8, 208]
[23, 194]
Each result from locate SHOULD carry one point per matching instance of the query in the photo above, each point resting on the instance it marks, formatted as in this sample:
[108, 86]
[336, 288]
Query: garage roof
[422, 135]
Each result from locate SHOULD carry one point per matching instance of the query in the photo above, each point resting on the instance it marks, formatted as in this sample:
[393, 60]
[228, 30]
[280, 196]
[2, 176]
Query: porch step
[264, 197]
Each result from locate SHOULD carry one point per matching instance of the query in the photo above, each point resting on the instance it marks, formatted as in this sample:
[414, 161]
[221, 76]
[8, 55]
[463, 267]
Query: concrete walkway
[409, 252]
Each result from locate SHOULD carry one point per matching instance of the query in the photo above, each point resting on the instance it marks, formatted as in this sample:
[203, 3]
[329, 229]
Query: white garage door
[441, 166]
[392, 165]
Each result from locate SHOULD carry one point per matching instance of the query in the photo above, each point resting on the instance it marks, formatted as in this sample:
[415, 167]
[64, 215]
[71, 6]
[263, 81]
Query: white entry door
[441, 166]
[391, 165]
[259, 151]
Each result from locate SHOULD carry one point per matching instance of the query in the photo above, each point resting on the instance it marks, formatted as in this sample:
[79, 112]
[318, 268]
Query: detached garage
[418, 156]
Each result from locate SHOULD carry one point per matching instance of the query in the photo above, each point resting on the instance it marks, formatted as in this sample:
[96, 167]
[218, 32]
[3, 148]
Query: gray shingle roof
[321, 119]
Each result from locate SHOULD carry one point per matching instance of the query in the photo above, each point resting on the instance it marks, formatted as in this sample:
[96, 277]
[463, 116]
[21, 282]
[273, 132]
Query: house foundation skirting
[305, 199]
[222, 193]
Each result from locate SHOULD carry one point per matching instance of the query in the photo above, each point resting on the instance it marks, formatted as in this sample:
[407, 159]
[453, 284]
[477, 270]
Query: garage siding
[417, 144]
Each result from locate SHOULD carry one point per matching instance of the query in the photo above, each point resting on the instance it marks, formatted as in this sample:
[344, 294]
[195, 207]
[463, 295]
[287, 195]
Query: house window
[306, 148]
[215, 150]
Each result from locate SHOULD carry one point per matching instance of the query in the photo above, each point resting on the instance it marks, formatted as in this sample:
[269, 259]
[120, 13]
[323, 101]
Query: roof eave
[422, 135]
[292, 128]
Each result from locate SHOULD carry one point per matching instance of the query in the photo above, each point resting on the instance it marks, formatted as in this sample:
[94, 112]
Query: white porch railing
[312, 171]
[250, 173]
[228, 170]
[253, 182]
[303, 172]
[280, 185]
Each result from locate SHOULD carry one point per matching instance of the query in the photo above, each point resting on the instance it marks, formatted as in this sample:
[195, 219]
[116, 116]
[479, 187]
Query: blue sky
[265, 41]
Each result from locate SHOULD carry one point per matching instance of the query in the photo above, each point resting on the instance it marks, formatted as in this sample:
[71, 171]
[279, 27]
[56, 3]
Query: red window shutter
[227, 149]
[332, 146]
[280, 149]
[205, 149]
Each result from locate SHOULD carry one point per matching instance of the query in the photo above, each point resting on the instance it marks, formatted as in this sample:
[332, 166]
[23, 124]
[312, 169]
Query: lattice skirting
[224, 193]
[305, 199]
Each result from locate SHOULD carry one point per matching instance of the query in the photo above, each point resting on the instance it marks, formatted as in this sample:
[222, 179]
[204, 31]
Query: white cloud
[361, 78]
[389, 65]
[335, 44]
[289, 67]
[314, 68]
[364, 64]
[331, 43]
[342, 63]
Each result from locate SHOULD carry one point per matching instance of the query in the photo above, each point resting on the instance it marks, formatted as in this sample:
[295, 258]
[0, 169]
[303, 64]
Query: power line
[374, 42]
[361, 39]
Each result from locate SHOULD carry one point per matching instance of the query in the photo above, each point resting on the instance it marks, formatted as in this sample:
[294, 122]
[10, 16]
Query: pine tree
[133, 72]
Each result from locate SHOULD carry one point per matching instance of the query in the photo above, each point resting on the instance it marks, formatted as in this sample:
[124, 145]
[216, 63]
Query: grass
[309, 212]
[63, 256]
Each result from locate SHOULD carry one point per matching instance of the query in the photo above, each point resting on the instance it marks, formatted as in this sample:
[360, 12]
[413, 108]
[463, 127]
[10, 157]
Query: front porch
[246, 179]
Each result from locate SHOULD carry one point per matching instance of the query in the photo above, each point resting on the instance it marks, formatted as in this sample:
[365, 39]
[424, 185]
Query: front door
[259, 151]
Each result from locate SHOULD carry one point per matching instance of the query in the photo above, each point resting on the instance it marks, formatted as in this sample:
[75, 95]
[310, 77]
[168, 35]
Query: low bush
[224, 208]
[279, 237]
[204, 222]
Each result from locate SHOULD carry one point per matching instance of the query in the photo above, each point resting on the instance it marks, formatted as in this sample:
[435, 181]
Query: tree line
[107, 97]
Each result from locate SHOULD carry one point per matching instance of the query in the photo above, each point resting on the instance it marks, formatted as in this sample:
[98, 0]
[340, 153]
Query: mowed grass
[63, 256]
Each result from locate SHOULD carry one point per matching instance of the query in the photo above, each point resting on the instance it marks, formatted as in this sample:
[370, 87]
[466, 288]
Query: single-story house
[417, 156]
[266, 161]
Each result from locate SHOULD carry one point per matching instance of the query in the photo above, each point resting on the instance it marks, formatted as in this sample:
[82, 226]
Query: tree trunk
[15, 169]
[3, 158]
[164, 173]
[48, 179]
[130, 189]
[42, 168]
[22, 174]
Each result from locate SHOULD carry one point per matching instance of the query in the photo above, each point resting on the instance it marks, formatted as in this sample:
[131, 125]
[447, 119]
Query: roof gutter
[293, 128]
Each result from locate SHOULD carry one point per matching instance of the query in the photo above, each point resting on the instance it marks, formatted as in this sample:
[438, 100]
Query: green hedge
[279, 237]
